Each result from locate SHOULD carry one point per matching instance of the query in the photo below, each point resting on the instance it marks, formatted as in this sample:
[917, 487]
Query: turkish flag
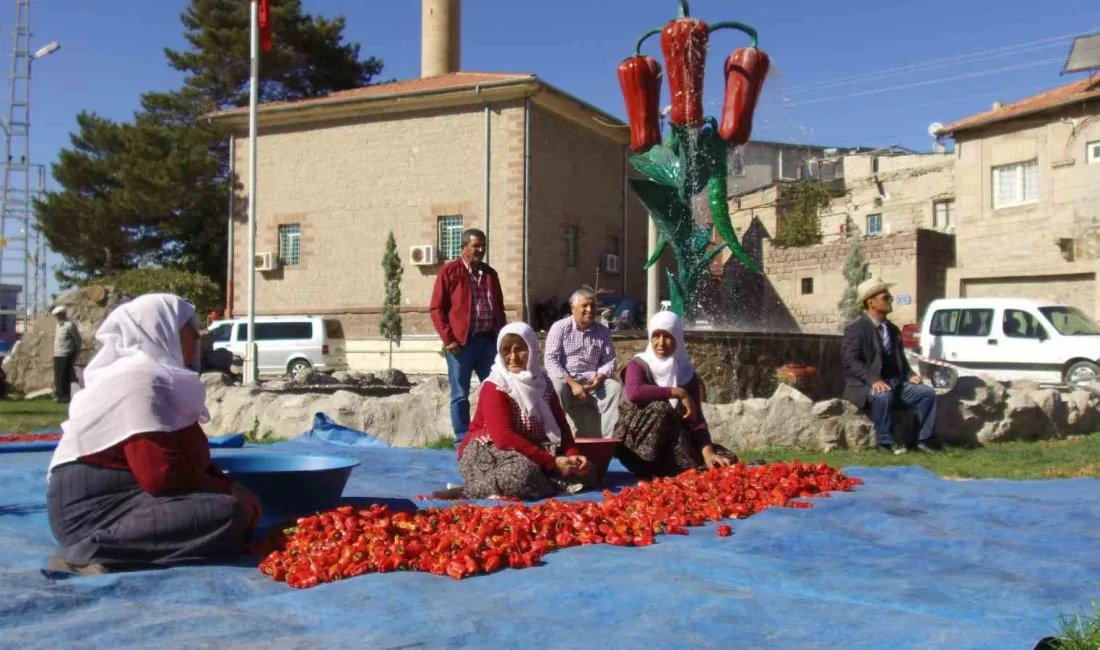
[265, 25]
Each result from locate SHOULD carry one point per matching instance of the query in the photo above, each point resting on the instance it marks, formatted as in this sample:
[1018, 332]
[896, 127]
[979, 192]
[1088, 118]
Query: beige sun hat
[60, 309]
[869, 288]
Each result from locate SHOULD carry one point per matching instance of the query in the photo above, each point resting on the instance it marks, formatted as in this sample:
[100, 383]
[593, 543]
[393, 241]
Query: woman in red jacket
[519, 443]
[131, 482]
[661, 422]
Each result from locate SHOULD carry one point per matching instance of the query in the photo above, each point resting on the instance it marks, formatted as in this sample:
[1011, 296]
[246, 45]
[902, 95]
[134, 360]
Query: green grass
[22, 415]
[444, 443]
[1077, 456]
[1080, 632]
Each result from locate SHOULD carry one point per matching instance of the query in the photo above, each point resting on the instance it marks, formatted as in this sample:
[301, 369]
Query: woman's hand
[712, 459]
[571, 465]
[689, 405]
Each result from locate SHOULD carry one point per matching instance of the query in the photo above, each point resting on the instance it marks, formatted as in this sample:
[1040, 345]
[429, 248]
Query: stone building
[1027, 187]
[892, 200]
[761, 163]
[542, 172]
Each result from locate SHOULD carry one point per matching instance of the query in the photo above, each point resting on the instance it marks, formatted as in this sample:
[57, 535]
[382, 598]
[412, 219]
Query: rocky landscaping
[976, 412]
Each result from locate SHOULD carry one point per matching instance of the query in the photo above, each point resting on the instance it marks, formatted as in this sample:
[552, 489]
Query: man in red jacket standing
[468, 311]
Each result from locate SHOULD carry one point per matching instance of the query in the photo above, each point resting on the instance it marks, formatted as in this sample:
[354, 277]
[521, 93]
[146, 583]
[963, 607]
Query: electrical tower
[22, 247]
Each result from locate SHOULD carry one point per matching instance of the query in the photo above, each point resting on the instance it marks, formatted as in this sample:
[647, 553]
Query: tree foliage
[197, 289]
[799, 208]
[154, 191]
[391, 303]
[855, 272]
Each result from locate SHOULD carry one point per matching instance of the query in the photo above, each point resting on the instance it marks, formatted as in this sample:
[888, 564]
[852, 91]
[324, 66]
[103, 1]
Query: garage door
[1077, 290]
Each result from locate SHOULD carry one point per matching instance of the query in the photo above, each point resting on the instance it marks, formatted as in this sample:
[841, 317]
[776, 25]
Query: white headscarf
[137, 382]
[527, 388]
[675, 370]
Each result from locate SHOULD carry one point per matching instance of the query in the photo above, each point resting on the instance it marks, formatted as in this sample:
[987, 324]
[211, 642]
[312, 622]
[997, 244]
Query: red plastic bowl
[599, 452]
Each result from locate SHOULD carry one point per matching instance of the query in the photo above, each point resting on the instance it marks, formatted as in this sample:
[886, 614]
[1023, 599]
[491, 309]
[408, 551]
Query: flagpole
[250, 369]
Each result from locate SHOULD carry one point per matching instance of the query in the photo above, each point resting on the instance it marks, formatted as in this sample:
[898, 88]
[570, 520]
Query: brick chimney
[441, 37]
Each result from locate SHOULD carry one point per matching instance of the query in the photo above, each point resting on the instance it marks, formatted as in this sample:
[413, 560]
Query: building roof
[454, 80]
[1078, 91]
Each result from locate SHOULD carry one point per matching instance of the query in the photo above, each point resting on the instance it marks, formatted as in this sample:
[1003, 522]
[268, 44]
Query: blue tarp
[907, 561]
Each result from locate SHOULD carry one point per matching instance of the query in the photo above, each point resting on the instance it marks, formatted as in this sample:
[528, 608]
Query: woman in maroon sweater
[661, 422]
[132, 482]
[519, 443]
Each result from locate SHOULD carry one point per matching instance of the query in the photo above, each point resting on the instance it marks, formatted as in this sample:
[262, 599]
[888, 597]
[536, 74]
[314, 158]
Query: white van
[285, 344]
[1013, 338]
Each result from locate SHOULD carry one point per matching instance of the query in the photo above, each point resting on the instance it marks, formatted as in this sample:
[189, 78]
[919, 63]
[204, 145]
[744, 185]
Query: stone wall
[802, 286]
[743, 365]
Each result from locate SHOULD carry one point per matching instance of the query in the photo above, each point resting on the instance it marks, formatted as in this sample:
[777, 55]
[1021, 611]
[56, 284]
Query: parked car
[1013, 338]
[285, 344]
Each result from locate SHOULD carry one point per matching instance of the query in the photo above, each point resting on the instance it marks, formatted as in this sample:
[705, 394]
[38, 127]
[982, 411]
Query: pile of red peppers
[467, 540]
[7, 438]
[684, 44]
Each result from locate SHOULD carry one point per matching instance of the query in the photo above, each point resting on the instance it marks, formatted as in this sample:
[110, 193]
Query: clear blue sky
[951, 58]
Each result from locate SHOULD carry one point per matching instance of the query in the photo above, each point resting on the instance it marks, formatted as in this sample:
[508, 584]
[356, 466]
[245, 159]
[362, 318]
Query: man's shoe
[884, 449]
[930, 447]
[59, 565]
[900, 451]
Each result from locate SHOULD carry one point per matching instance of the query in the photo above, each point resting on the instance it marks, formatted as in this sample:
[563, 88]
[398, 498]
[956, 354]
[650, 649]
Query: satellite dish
[934, 129]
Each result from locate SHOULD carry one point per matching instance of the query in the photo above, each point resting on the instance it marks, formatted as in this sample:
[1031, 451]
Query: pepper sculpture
[640, 78]
[693, 159]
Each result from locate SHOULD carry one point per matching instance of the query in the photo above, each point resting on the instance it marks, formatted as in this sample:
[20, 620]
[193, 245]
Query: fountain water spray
[694, 158]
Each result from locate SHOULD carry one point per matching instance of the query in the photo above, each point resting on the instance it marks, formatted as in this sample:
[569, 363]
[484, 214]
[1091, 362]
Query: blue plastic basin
[288, 484]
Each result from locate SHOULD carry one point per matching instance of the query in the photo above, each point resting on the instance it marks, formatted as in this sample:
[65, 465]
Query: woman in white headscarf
[131, 481]
[519, 444]
[661, 422]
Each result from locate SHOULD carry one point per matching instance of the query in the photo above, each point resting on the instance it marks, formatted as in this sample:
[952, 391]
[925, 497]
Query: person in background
[878, 373]
[66, 346]
[580, 359]
[467, 309]
[131, 482]
[520, 444]
[661, 423]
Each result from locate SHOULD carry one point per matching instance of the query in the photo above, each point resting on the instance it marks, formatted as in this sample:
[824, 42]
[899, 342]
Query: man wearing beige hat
[878, 374]
[66, 345]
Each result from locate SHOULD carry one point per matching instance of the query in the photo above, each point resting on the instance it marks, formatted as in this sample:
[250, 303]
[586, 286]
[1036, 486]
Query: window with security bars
[290, 244]
[450, 238]
[570, 245]
[1015, 184]
[874, 224]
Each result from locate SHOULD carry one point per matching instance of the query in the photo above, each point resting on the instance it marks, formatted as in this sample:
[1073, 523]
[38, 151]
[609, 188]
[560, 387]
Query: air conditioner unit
[266, 262]
[422, 255]
[611, 263]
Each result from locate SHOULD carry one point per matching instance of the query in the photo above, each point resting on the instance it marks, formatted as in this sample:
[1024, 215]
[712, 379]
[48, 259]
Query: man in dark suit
[878, 374]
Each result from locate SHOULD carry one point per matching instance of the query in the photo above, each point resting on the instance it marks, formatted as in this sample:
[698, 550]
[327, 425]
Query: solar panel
[1084, 55]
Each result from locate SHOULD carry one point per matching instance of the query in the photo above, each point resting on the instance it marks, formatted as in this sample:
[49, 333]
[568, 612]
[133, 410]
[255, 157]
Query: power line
[918, 84]
[961, 58]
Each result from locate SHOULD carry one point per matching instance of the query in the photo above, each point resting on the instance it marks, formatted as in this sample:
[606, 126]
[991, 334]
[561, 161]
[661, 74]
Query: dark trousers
[918, 397]
[63, 376]
[476, 356]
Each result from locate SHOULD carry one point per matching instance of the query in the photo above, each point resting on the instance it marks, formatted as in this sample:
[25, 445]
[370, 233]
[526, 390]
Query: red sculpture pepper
[684, 43]
[745, 72]
[640, 78]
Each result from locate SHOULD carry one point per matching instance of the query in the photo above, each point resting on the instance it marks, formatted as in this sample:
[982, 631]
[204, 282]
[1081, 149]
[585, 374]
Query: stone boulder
[29, 367]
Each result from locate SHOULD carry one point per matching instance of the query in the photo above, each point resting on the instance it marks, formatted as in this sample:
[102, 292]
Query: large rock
[29, 368]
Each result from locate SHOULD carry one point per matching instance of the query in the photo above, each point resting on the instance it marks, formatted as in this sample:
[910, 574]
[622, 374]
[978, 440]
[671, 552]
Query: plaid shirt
[581, 354]
[482, 305]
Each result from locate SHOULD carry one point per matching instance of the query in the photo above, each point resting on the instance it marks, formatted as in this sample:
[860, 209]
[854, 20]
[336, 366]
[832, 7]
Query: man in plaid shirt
[580, 359]
[467, 310]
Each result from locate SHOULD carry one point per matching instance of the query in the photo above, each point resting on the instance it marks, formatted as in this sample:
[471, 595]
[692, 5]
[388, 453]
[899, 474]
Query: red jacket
[452, 301]
[494, 415]
[166, 463]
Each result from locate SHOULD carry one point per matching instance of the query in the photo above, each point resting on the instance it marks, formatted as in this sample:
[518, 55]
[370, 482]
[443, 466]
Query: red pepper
[745, 72]
[724, 531]
[640, 79]
[684, 44]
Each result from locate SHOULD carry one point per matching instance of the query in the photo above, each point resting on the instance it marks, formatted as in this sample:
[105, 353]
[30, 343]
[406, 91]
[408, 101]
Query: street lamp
[47, 49]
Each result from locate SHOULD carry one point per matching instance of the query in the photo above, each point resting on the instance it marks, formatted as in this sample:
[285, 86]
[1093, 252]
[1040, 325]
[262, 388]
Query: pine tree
[153, 191]
[391, 317]
[855, 272]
